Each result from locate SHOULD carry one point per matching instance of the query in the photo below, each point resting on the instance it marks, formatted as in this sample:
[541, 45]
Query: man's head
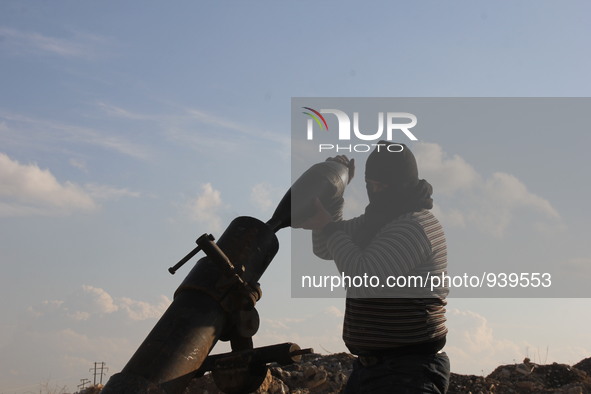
[393, 185]
[391, 165]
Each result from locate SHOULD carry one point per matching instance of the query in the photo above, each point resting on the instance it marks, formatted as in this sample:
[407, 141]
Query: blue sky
[128, 129]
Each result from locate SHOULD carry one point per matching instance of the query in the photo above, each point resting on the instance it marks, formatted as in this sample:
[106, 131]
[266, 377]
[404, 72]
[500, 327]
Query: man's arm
[320, 237]
[397, 249]
[324, 217]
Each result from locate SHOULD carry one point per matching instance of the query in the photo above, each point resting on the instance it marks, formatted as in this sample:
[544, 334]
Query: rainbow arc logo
[317, 116]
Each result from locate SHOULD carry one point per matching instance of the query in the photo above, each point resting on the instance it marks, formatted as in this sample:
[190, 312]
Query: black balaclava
[392, 164]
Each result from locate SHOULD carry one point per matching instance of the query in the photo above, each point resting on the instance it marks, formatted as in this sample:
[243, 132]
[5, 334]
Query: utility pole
[99, 370]
[83, 383]
[103, 373]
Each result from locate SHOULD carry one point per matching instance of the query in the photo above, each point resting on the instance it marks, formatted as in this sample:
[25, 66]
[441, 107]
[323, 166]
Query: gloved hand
[350, 164]
[319, 220]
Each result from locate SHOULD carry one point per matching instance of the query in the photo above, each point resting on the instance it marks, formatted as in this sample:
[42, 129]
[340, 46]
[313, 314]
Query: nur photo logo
[388, 123]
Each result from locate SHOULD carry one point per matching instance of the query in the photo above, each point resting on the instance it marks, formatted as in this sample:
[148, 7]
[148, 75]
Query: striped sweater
[411, 245]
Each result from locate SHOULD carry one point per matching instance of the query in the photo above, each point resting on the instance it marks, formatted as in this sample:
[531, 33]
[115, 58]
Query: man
[397, 337]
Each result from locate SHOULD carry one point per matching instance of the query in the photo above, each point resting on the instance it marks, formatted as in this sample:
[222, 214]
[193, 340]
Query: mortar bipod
[244, 371]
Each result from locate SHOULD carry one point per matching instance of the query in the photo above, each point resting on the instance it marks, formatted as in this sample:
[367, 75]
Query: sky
[128, 129]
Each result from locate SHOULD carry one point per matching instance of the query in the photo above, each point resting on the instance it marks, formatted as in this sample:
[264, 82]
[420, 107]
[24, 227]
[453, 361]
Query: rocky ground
[328, 374]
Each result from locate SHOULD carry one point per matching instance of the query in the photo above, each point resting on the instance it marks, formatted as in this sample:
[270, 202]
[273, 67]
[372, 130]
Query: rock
[272, 385]
[527, 386]
[524, 369]
[584, 365]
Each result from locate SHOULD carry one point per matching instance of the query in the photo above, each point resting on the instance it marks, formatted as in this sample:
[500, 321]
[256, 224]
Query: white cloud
[320, 331]
[47, 306]
[141, 310]
[104, 192]
[204, 131]
[450, 216]
[579, 266]
[472, 346]
[182, 133]
[79, 45]
[241, 128]
[77, 163]
[208, 133]
[89, 302]
[205, 208]
[262, 195]
[470, 199]
[64, 337]
[31, 131]
[334, 311]
[447, 175]
[64, 354]
[499, 199]
[26, 189]
[119, 112]
[507, 190]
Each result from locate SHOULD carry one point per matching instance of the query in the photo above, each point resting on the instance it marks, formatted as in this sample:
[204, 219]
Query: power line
[99, 370]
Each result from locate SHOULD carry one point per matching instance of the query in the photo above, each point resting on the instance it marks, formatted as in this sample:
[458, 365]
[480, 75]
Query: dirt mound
[584, 365]
[328, 374]
[526, 377]
[314, 374]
